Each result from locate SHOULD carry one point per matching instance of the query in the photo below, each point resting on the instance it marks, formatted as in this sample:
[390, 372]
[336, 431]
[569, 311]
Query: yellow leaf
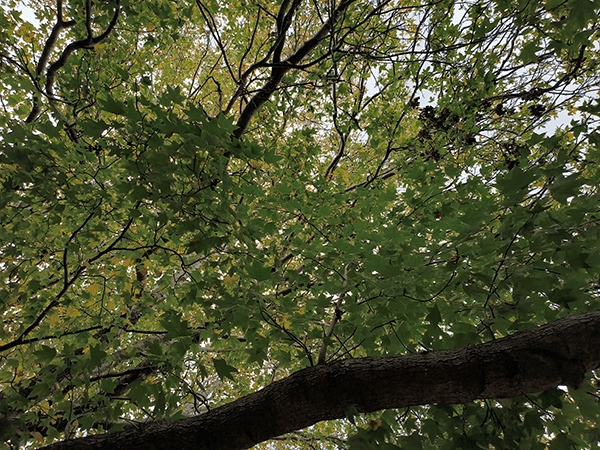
[45, 405]
[72, 312]
[37, 436]
[229, 280]
[93, 289]
[54, 319]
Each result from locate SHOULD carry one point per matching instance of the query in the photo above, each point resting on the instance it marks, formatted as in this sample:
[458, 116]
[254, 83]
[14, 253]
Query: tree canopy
[252, 217]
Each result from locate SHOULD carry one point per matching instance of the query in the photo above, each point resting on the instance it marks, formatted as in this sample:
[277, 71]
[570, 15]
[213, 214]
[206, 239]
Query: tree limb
[89, 41]
[536, 360]
[280, 70]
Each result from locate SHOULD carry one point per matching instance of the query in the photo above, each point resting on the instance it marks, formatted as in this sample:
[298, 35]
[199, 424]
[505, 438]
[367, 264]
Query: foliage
[200, 198]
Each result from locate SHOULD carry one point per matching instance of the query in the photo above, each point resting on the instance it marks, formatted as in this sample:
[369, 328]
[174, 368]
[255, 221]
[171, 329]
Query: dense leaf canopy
[200, 198]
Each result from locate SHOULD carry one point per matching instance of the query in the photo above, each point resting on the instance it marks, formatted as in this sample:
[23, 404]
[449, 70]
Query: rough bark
[558, 353]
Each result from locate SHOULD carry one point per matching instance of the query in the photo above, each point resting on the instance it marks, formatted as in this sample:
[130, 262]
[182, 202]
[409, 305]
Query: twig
[337, 315]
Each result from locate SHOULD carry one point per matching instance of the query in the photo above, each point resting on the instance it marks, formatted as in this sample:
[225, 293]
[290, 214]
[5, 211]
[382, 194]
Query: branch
[284, 21]
[337, 315]
[279, 70]
[121, 385]
[51, 41]
[536, 360]
[48, 47]
[67, 283]
[212, 26]
[89, 41]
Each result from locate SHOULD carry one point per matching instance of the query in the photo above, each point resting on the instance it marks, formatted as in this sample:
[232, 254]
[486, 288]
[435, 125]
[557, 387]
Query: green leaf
[564, 188]
[171, 321]
[114, 106]
[514, 184]
[552, 397]
[258, 272]
[582, 12]
[39, 390]
[122, 72]
[155, 348]
[139, 393]
[563, 296]
[223, 369]
[528, 53]
[107, 386]
[434, 317]
[562, 442]
[45, 354]
[97, 355]
[205, 244]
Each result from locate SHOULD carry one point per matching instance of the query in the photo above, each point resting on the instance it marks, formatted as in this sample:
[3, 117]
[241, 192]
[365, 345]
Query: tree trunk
[558, 353]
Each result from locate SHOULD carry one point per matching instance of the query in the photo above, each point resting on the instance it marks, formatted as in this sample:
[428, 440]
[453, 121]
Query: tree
[322, 210]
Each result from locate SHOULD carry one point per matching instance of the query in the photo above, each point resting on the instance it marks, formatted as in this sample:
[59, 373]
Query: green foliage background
[430, 170]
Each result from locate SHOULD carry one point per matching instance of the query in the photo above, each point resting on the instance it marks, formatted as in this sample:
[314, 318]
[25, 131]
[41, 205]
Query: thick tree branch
[532, 361]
